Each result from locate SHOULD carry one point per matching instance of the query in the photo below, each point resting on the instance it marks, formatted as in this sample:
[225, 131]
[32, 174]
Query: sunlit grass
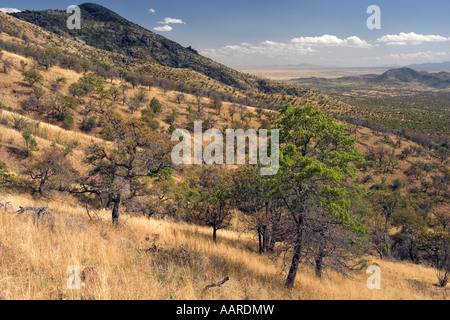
[161, 259]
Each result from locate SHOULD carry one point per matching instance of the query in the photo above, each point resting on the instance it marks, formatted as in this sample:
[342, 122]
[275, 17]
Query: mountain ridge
[407, 75]
[123, 36]
[397, 76]
[130, 41]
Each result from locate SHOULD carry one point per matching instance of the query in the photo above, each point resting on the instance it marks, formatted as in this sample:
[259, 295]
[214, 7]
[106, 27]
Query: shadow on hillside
[16, 152]
[201, 264]
[235, 243]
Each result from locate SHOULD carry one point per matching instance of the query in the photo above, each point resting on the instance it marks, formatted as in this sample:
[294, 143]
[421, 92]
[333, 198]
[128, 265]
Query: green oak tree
[317, 155]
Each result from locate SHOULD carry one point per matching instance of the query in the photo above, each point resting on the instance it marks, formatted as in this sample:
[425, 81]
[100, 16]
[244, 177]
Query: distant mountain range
[392, 78]
[438, 80]
[429, 66]
[442, 66]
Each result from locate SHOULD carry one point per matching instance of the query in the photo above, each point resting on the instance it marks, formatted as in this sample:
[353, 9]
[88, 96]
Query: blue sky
[258, 33]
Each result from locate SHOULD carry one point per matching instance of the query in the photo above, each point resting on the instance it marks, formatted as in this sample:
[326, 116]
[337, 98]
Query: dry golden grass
[160, 259]
[50, 133]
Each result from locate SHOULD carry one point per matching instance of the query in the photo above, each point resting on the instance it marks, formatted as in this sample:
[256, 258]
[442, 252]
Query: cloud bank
[297, 46]
[410, 38]
[330, 40]
[311, 45]
[172, 20]
[9, 10]
[165, 28]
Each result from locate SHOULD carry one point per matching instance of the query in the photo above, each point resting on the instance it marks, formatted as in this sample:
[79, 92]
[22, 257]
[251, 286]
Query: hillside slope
[122, 36]
[134, 42]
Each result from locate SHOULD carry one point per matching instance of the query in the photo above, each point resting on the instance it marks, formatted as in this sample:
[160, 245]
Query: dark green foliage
[88, 124]
[316, 158]
[68, 122]
[398, 184]
[7, 180]
[209, 193]
[155, 105]
[32, 77]
[30, 143]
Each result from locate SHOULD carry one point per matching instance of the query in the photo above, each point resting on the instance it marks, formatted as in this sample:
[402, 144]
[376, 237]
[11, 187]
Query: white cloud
[410, 38]
[9, 10]
[428, 55]
[165, 28]
[297, 46]
[316, 48]
[330, 40]
[172, 20]
[151, 10]
[266, 48]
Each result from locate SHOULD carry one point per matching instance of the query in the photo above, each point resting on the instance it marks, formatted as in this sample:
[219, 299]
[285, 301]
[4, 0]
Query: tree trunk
[214, 234]
[42, 183]
[295, 259]
[319, 263]
[115, 212]
[272, 239]
[41, 187]
[271, 246]
[260, 240]
[386, 238]
[265, 238]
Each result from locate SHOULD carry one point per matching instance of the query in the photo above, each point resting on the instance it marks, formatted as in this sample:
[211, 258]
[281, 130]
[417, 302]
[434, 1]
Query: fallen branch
[5, 205]
[217, 284]
[89, 214]
[38, 213]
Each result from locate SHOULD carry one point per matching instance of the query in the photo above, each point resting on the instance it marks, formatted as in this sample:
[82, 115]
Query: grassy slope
[159, 259]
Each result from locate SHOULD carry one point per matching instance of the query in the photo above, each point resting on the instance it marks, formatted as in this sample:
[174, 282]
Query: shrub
[367, 178]
[398, 184]
[68, 122]
[7, 180]
[30, 143]
[88, 124]
[32, 77]
[155, 105]
[19, 123]
[171, 129]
